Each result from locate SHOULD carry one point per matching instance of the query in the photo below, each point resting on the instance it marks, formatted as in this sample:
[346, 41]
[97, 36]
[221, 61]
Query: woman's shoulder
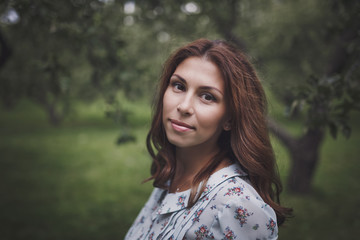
[239, 205]
[237, 187]
[233, 210]
[231, 187]
[232, 182]
[238, 191]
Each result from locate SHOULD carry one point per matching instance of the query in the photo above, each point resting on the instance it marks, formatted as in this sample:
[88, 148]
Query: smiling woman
[213, 164]
[194, 111]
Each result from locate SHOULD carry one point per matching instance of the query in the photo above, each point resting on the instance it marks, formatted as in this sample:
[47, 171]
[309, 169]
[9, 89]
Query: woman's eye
[178, 86]
[208, 97]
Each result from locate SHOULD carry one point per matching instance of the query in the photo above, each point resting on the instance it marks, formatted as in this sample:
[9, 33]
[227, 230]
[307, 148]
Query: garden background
[77, 79]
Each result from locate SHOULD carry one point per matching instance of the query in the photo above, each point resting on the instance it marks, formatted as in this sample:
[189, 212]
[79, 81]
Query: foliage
[63, 51]
[290, 41]
[114, 40]
[329, 102]
[314, 53]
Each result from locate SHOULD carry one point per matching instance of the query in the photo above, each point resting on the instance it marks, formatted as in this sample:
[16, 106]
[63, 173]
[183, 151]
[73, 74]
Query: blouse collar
[173, 202]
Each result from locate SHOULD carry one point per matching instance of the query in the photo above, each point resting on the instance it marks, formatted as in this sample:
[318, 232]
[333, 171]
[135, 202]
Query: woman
[213, 165]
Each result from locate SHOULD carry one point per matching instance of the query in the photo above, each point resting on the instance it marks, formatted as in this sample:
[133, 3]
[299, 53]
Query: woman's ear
[227, 125]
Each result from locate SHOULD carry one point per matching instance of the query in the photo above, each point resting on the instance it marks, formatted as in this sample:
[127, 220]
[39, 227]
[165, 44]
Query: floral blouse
[229, 208]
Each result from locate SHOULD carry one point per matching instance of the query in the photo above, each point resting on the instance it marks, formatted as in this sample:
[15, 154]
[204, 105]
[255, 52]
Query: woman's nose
[186, 106]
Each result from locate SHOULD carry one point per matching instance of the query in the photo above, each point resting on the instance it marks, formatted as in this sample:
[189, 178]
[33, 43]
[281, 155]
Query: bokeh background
[77, 79]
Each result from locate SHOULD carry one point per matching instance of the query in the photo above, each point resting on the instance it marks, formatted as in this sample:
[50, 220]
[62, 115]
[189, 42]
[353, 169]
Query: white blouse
[229, 208]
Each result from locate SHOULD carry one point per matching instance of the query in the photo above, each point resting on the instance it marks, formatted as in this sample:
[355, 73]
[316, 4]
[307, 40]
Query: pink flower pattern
[228, 209]
[242, 214]
[181, 201]
[229, 234]
[197, 215]
[271, 225]
[235, 191]
[202, 232]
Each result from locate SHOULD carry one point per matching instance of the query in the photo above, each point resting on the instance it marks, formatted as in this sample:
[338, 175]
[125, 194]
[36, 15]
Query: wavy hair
[248, 140]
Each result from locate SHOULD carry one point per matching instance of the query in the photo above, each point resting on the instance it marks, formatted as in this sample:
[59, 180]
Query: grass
[71, 182]
[332, 210]
[74, 182]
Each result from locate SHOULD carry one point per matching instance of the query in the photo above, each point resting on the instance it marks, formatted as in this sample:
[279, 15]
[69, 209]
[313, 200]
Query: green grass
[71, 182]
[332, 210]
[74, 182]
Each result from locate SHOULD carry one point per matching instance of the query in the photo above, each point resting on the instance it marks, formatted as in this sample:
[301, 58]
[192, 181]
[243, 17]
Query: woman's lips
[180, 126]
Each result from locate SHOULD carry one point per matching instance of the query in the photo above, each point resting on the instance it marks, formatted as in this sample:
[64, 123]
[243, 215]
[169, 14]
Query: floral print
[271, 225]
[197, 215]
[163, 225]
[201, 232]
[181, 200]
[242, 214]
[229, 234]
[230, 208]
[234, 191]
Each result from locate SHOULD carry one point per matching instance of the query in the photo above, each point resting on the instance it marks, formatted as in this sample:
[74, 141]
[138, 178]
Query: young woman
[213, 165]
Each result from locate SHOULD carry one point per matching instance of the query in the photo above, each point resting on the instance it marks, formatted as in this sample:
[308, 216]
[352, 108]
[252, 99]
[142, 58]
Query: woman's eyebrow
[211, 88]
[180, 78]
[201, 87]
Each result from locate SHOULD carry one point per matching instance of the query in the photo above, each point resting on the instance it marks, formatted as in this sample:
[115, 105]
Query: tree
[307, 50]
[57, 52]
[309, 47]
[329, 92]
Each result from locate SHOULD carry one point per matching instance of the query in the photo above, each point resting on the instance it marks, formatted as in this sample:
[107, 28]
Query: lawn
[75, 182]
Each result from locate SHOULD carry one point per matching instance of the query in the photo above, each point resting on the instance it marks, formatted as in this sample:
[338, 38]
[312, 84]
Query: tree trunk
[305, 156]
[55, 118]
[5, 52]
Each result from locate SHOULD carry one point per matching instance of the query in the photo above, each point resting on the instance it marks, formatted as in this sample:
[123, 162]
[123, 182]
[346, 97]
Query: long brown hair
[248, 140]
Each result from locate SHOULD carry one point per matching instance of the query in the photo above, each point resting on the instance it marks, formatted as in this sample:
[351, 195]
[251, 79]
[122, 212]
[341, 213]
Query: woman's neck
[189, 161]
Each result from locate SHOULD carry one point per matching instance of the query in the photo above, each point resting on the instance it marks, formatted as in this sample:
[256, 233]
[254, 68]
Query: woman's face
[194, 109]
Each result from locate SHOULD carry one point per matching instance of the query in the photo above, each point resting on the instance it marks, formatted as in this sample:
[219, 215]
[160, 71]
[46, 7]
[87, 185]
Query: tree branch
[281, 133]
[225, 23]
[340, 54]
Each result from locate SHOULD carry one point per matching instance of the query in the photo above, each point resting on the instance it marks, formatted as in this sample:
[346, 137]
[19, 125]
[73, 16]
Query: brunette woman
[213, 165]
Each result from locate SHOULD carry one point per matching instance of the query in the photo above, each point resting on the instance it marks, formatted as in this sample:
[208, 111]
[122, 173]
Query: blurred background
[77, 79]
